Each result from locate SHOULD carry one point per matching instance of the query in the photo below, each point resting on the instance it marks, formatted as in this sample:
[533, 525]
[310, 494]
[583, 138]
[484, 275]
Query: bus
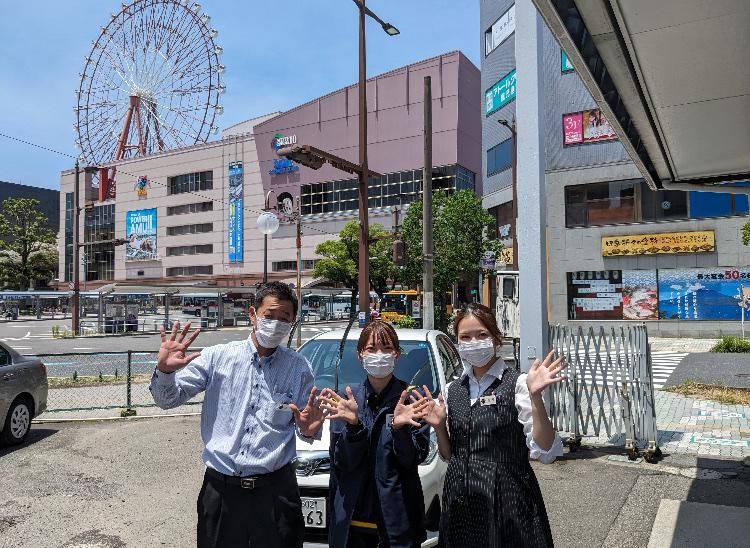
[318, 306]
[398, 303]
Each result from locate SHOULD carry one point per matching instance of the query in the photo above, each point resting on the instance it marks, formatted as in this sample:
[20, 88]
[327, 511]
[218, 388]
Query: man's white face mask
[271, 333]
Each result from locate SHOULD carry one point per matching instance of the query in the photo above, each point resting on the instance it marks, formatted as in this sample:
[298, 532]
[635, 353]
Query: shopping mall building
[617, 250]
[190, 214]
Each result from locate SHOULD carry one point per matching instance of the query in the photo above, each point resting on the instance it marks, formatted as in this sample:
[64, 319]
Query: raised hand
[345, 409]
[436, 412]
[543, 374]
[310, 419]
[408, 414]
[172, 352]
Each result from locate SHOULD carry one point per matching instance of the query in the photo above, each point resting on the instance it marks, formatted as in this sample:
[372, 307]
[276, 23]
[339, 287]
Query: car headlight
[432, 453]
[310, 463]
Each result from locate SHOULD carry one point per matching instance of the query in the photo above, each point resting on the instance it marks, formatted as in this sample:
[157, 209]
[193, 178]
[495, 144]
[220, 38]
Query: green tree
[341, 259]
[25, 244]
[746, 233]
[461, 230]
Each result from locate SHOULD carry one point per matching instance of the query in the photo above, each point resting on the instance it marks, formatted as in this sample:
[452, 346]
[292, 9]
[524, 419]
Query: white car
[427, 358]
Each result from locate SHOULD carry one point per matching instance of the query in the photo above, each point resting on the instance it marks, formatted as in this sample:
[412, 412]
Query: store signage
[501, 93]
[283, 165]
[141, 187]
[588, 126]
[505, 257]
[702, 293]
[654, 244]
[488, 260]
[500, 31]
[140, 231]
[236, 208]
[565, 64]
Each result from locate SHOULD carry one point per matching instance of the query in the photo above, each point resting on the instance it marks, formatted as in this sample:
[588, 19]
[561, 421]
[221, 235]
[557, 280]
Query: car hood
[321, 444]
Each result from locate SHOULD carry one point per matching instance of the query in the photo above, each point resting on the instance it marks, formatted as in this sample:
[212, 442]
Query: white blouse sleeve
[523, 405]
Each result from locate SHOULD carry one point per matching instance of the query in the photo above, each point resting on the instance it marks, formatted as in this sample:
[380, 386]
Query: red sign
[573, 128]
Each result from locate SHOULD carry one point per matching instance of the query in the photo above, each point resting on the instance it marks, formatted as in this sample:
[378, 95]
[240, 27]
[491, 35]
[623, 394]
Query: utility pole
[514, 162]
[364, 229]
[299, 273]
[428, 298]
[75, 310]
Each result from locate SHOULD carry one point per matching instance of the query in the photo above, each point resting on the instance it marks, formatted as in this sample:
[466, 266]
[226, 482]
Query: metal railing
[609, 386]
[102, 384]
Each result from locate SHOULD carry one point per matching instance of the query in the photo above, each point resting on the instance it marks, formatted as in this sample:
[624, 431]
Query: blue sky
[277, 54]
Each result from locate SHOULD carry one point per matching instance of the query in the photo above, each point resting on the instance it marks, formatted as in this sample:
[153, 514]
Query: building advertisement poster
[565, 64]
[236, 208]
[501, 93]
[589, 126]
[140, 231]
[613, 295]
[702, 293]
[664, 242]
[500, 30]
[640, 295]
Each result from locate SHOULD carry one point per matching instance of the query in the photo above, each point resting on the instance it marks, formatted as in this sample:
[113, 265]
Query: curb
[99, 419]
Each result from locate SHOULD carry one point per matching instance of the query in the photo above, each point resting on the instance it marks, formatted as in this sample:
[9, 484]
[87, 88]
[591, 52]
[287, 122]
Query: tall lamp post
[268, 223]
[512, 128]
[75, 305]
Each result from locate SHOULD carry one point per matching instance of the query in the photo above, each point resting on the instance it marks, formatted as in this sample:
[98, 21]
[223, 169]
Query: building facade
[48, 200]
[618, 251]
[190, 215]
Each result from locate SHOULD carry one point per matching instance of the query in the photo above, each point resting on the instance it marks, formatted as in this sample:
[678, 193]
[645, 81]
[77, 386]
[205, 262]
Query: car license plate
[314, 512]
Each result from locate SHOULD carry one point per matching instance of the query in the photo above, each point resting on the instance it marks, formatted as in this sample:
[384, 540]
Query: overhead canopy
[672, 77]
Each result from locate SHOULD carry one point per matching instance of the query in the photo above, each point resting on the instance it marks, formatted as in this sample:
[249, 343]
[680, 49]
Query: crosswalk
[663, 365]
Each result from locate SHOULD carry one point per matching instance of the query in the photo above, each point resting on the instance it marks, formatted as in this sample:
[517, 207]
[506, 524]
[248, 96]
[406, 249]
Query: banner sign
[653, 244]
[140, 231]
[702, 293]
[565, 65]
[589, 126]
[501, 93]
[500, 30]
[236, 207]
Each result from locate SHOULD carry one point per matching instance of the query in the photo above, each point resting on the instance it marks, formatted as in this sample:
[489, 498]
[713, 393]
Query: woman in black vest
[496, 420]
[378, 440]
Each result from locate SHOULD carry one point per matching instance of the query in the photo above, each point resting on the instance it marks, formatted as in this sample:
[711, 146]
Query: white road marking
[663, 365]
[82, 348]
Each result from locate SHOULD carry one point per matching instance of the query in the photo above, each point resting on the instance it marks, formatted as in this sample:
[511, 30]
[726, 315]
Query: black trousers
[268, 516]
[363, 538]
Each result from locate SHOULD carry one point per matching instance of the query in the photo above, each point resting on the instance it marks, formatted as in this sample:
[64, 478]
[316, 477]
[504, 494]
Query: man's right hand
[172, 352]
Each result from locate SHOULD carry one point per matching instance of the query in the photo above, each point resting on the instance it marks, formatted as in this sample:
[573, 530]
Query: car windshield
[416, 365]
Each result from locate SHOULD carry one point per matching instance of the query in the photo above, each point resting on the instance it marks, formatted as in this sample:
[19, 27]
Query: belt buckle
[247, 483]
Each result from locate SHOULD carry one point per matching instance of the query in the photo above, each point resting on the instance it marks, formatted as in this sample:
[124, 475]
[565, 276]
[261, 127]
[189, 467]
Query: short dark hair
[279, 290]
[484, 315]
[380, 332]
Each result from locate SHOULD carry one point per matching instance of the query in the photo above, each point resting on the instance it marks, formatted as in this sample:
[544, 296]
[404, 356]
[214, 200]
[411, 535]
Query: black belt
[249, 482]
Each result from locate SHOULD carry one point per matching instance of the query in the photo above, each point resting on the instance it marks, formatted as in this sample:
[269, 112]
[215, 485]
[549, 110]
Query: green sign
[501, 93]
[565, 65]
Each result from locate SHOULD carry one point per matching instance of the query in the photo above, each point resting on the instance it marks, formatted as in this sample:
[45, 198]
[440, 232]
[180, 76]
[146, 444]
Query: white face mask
[379, 364]
[476, 353]
[271, 333]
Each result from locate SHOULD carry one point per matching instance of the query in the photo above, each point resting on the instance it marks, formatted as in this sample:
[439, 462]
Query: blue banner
[702, 293]
[140, 231]
[236, 204]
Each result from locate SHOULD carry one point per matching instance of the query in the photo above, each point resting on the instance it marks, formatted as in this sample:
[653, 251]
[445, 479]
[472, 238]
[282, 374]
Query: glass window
[189, 270]
[5, 358]
[662, 204]
[500, 157]
[190, 182]
[600, 203]
[452, 367]
[715, 204]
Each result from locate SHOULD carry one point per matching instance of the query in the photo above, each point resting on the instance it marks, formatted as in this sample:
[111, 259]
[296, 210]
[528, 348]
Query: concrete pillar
[532, 241]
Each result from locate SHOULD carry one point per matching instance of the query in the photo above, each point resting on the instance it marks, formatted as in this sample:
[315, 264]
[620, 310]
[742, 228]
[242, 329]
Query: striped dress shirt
[246, 424]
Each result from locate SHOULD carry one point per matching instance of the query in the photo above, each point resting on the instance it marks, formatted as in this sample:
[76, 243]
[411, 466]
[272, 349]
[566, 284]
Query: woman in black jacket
[378, 440]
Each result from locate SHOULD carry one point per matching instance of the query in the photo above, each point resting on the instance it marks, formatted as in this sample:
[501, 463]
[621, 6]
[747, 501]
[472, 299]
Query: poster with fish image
[640, 300]
[702, 293]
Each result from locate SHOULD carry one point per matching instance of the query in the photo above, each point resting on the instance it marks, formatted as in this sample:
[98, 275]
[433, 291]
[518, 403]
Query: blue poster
[702, 293]
[236, 204]
[140, 231]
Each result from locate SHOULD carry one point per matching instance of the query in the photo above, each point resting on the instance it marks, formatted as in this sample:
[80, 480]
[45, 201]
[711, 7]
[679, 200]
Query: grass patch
[732, 345]
[713, 392]
[78, 381]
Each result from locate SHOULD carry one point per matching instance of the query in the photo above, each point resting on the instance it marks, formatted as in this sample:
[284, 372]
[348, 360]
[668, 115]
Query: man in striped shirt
[258, 394]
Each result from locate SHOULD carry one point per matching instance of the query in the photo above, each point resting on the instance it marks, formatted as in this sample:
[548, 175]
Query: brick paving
[659, 344]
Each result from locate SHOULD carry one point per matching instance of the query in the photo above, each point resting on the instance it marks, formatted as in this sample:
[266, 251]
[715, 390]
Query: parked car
[23, 394]
[427, 358]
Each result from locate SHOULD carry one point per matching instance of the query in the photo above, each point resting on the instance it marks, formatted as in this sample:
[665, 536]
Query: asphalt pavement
[134, 483]
[711, 368]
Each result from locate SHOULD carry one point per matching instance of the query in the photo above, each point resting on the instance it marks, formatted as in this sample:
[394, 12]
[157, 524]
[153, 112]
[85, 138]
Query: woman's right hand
[437, 412]
[345, 409]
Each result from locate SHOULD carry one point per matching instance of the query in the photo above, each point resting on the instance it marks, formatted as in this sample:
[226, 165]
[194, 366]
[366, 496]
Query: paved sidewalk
[659, 344]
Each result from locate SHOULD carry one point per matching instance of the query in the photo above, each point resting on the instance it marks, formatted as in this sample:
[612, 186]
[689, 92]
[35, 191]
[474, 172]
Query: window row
[622, 202]
[189, 270]
[190, 250]
[285, 266]
[500, 157]
[190, 208]
[199, 228]
[191, 182]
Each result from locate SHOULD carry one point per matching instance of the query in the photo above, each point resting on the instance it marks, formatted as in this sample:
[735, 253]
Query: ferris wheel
[150, 83]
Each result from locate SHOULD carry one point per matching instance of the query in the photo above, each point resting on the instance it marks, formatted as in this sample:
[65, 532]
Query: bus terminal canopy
[673, 79]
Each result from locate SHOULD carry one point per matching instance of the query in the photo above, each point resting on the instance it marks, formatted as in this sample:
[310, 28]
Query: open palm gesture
[436, 412]
[345, 409]
[408, 414]
[543, 374]
[310, 419]
[173, 350]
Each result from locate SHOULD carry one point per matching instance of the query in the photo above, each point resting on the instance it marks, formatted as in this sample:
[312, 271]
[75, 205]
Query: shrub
[406, 322]
[731, 345]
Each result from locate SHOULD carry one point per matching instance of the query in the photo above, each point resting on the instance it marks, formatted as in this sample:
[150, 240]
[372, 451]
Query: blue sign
[236, 207]
[565, 64]
[283, 165]
[140, 231]
[501, 93]
[702, 293]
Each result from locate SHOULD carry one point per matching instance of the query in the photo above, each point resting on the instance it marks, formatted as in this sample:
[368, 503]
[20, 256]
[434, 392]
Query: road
[118, 484]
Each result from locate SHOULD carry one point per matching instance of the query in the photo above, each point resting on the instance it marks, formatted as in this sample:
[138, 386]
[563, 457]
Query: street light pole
[512, 128]
[364, 229]
[74, 309]
[268, 223]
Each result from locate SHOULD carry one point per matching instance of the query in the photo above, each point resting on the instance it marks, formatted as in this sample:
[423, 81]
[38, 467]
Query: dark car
[23, 394]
